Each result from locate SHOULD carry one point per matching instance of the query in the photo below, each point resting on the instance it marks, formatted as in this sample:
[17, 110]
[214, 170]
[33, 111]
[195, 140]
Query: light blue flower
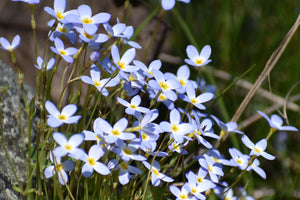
[116, 30]
[6, 45]
[57, 118]
[169, 4]
[133, 106]
[166, 86]
[41, 65]
[182, 75]
[70, 146]
[84, 16]
[92, 163]
[255, 166]
[58, 10]
[229, 195]
[67, 53]
[124, 62]
[227, 127]
[238, 159]
[257, 149]
[95, 80]
[196, 188]
[156, 175]
[196, 59]
[214, 169]
[60, 168]
[147, 71]
[182, 194]
[125, 170]
[116, 132]
[177, 129]
[29, 1]
[196, 100]
[276, 122]
[64, 29]
[128, 33]
[127, 152]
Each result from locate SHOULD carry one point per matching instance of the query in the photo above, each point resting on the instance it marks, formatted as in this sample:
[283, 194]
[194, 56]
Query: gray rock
[12, 134]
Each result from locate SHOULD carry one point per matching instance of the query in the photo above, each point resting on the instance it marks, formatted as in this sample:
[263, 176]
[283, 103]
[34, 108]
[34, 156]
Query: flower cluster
[131, 131]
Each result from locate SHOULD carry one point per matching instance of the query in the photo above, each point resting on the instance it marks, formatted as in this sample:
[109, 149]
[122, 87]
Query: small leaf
[17, 189]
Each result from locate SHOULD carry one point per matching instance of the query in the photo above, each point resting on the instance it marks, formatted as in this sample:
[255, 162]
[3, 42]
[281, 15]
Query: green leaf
[17, 189]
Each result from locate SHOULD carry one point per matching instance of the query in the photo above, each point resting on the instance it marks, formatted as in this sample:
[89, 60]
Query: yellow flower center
[133, 106]
[149, 72]
[88, 36]
[62, 29]
[87, 20]
[124, 165]
[215, 159]
[60, 15]
[163, 86]
[175, 128]
[121, 64]
[68, 147]
[131, 78]
[197, 132]
[193, 190]
[199, 180]
[144, 136]
[62, 52]
[238, 161]
[58, 167]
[198, 61]
[176, 147]
[155, 171]
[62, 117]
[210, 168]
[193, 100]
[257, 150]
[91, 161]
[127, 151]
[97, 83]
[115, 132]
[182, 82]
[183, 196]
[98, 138]
[162, 97]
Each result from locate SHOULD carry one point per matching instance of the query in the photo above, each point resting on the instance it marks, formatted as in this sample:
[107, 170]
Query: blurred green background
[243, 34]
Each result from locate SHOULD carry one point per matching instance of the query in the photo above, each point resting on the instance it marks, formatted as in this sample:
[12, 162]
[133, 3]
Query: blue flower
[127, 151]
[68, 146]
[67, 53]
[165, 85]
[116, 132]
[64, 29]
[238, 159]
[196, 59]
[84, 16]
[92, 163]
[214, 169]
[116, 30]
[169, 4]
[60, 168]
[156, 175]
[178, 130]
[127, 58]
[59, 10]
[147, 71]
[95, 80]
[57, 118]
[133, 106]
[276, 122]
[196, 101]
[41, 65]
[29, 1]
[257, 149]
[6, 45]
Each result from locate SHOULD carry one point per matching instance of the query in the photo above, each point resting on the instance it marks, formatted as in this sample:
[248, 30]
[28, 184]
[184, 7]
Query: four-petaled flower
[6, 45]
[67, 53]
[57, 118]
[196, 59]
